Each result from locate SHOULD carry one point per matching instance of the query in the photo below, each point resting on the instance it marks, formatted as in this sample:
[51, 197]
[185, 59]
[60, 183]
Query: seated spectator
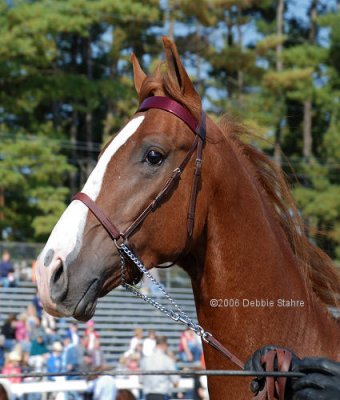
[149, 343]
[71, 356]
[122, 365]
[54, 361]
[90, 336]
[2, 351]
[7, 277]
[103, 387]
[72, 360]
[21, 333]
[12, 366]
[133, 362]
[38, 352]
[98, 357]
[73, 333]
[32, 320]
[190, 349]
[47, 321]
[37, 305]
[136, 340]
[52, 336]
[8, 331]
[159, 387]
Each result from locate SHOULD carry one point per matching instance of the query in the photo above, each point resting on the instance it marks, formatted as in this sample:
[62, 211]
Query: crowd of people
[31, 342]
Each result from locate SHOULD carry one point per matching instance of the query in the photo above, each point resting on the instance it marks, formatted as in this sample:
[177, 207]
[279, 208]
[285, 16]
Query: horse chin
[86, 306]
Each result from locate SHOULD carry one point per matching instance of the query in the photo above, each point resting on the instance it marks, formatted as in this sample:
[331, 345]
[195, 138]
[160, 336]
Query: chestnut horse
[256, 278]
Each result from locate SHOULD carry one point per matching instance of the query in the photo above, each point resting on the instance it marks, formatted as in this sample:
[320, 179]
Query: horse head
[79, 262]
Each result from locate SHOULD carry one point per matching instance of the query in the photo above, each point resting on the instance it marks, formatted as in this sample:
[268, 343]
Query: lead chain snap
[205, 336]
[119, 245]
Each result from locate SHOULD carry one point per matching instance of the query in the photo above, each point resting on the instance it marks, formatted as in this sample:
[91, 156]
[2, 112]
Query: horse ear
[176, 69]
[138, 74]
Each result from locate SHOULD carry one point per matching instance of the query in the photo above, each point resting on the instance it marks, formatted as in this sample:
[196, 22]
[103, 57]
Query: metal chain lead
[178, 314]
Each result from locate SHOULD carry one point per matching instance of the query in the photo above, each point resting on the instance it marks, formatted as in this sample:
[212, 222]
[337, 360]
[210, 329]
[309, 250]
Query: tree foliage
[65, 88]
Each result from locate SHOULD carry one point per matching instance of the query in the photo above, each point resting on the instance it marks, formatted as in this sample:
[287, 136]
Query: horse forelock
[318, 270]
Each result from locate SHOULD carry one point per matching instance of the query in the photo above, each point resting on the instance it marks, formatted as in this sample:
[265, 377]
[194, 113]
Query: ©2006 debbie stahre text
[257, 303]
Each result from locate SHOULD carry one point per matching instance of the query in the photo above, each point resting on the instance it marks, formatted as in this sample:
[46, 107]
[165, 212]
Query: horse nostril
[58, 273]
[58, 285]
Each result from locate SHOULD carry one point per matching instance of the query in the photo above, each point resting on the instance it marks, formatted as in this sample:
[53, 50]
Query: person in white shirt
[136, 341]
[149, 343]
[104, 388]
[158, 387]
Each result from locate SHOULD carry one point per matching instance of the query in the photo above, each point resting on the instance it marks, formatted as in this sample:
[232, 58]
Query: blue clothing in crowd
[71, 358]
[5, 268]
[54, 364]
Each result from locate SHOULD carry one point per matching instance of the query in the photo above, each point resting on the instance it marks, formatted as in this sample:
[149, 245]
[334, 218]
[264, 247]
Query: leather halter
[171, 106]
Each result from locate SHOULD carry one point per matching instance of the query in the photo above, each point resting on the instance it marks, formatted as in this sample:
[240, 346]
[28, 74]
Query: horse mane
[320, 274]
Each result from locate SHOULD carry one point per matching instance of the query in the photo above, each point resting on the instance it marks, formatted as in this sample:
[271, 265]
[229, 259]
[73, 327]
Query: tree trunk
[111, 109]
[240, 75]
[75, 120]
[307, 130]
[2, 205]
[231, 76]
[198, 58]
[307, 105]
[279, 68]
[89, 116]
[170, 19]
[279, 32]
[74, 156]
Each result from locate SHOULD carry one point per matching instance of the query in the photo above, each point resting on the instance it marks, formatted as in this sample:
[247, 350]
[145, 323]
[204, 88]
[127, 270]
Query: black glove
[322, 380]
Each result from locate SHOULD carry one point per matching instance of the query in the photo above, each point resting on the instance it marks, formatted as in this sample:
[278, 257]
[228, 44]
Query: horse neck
[244, 256]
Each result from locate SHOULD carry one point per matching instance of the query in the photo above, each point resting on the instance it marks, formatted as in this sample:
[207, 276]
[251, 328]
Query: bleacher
[116, 317]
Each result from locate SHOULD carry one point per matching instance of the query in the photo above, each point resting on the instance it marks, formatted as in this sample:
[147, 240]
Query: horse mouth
[86, 306]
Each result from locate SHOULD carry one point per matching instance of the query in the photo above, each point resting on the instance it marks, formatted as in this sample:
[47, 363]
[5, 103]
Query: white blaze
[67, 234]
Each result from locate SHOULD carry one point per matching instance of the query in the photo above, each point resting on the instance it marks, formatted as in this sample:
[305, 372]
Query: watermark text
[256, 303]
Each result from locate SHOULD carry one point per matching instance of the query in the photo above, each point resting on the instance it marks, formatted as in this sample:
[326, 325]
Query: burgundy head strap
[171, 106]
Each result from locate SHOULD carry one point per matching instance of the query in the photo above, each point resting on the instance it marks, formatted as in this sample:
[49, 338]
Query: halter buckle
[119, 241]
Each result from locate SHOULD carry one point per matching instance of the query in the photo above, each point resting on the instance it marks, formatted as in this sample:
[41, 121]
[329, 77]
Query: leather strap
[172, 106]
[99, 214]
[194, 188]
[275, 387]
[219, 346]
[285, 361]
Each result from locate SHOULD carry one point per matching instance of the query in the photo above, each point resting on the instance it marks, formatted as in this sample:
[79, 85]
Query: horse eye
[154, 157]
